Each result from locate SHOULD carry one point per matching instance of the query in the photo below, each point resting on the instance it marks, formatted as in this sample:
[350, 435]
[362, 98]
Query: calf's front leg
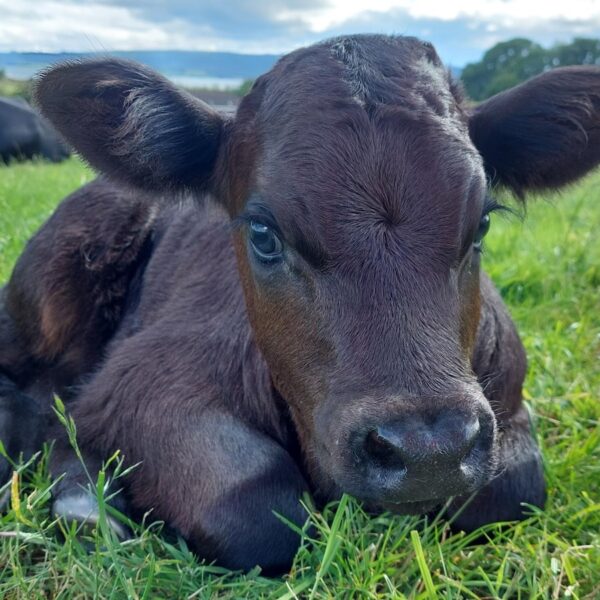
[203, 468]
[74, 491]
[21, 426]
[216, 481]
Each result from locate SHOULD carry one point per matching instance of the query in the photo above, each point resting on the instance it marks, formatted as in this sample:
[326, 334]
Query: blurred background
[216, 48]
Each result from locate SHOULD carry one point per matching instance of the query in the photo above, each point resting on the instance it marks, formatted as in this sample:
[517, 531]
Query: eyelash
[491, 205]
[246, 218]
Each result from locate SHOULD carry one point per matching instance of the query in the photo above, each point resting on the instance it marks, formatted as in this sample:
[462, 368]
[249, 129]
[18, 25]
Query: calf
[311, 315]
[24, 134]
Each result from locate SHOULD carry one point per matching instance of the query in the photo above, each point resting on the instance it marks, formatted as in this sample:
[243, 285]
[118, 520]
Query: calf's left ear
[131, 123]
[542, 134]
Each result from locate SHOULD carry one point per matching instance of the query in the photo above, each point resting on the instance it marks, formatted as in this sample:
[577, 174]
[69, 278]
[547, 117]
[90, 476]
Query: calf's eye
[484, 227]
[265, 243]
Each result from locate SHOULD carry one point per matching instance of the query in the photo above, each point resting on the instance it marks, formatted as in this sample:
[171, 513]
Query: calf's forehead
[371, 125]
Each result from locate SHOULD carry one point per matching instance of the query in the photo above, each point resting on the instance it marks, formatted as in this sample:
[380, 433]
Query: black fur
[21, 425]
[135, 121]
[542, 134]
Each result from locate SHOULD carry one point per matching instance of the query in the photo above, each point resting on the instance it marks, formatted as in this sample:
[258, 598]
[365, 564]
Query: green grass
[14, 87]
[548, 269]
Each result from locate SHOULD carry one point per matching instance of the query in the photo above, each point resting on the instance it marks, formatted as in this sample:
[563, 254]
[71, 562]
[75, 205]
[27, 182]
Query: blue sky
[460, 29]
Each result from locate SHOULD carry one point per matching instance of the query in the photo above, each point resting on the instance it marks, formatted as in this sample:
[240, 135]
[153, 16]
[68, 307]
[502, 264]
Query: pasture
[548, 270]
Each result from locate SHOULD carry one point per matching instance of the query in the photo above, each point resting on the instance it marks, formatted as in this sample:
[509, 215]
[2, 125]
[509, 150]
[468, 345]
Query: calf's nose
[419, 457]
[409, 442]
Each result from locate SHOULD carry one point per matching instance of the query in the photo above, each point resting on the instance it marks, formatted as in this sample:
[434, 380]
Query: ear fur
[131, 123]
[542, 134]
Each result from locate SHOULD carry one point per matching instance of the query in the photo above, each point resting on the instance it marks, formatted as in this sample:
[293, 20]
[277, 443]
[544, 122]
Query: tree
[503, 66]
[509, 63]
[581, 51]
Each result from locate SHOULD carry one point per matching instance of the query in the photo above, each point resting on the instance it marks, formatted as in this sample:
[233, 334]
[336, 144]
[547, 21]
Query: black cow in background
[24, 134]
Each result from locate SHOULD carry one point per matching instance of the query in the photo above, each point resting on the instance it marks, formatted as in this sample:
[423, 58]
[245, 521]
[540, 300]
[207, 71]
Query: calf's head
[357, 181]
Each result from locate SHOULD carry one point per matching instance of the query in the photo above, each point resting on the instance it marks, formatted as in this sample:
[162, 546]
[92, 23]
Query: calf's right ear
[131, 123]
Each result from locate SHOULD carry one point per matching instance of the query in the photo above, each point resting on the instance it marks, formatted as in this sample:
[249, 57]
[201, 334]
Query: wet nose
[419, 457]
[407, 443]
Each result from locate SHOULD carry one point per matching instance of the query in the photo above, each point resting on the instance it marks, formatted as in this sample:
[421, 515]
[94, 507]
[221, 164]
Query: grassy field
[548, 269]
[13, 87]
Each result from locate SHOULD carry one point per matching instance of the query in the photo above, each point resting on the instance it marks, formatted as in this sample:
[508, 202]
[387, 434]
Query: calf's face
[356, 183]
[358, 239]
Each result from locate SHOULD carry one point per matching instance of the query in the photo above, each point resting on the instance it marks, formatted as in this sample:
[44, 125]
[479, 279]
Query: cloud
[461, 30]
[465, 38]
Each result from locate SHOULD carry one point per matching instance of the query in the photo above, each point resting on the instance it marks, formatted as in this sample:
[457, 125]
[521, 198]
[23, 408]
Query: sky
[461, 30]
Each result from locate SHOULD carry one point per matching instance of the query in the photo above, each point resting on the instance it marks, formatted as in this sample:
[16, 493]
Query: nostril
[458, 438]
[383, 448]
[471, 433]
[474, 441]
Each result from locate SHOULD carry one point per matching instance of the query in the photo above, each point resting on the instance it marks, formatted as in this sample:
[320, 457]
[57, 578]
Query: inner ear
[131, 123]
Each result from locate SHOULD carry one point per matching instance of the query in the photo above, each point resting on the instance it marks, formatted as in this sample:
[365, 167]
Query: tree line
[509, 63]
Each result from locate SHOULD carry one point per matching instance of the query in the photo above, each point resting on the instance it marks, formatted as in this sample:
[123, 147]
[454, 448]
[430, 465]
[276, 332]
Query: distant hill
[172, 63]
[188, 68]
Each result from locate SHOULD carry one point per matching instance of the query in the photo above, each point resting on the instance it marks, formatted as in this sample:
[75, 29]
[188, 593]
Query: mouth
[419, 505]
[412, 508]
